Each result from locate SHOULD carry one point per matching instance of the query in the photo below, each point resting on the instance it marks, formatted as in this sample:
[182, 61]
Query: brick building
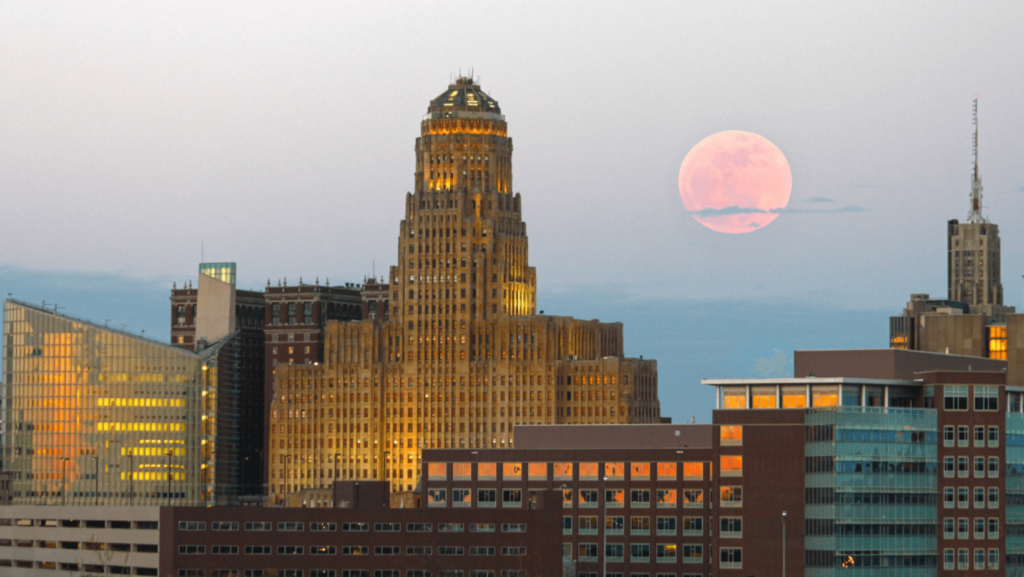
[463, 357]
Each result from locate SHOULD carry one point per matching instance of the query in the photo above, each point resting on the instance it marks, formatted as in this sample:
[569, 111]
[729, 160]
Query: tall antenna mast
[975, 214]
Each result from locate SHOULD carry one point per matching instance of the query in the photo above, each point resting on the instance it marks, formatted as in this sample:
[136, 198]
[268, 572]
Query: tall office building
[95, 415]
[974, 251]
[463, 357]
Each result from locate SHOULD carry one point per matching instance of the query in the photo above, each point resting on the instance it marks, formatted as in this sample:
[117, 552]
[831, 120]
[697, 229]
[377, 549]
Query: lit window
[732, 465]
[731, 434]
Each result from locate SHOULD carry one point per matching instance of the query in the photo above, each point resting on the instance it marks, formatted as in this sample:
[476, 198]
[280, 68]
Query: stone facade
[463, 357]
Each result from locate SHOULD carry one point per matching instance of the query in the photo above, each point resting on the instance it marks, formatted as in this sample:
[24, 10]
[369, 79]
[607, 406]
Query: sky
[137, 139]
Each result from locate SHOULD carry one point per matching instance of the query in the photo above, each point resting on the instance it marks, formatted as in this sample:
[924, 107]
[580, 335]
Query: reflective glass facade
[871, 491]
[99, 416]
[222, 271]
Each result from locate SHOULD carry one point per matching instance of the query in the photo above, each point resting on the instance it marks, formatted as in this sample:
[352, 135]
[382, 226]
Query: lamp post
[604, 510]
[783, 544]
[64, 479]
[96, 480]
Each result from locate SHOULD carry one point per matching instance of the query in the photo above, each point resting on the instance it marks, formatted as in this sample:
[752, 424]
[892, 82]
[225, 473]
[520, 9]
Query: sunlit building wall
[99, 416]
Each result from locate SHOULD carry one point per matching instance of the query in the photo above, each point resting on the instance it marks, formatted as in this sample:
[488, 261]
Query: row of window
[959, 497]
[960, 559]
[986, 397]
[379, 550]
[729, 557]
[356, 527]
[961, 467]
[376, 573]
[960, 528]
[587, 471]
[615, 525]
[960, 436]
[587, 498]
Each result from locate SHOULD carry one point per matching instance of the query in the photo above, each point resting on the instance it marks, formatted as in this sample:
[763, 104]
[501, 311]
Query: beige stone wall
[216, 309]
[961, 334]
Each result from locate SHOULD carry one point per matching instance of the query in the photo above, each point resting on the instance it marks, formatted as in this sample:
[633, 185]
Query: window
[486, 498]
[732, 497]
[387, 550]
[962, 497]
[224, 550]
[377, 527]
[566, 525]
[481, 527]
[512, 498]
[639, 525]
[948, 559]
[461, 498]
[588, 471]
[955, 397]
[512, 551]
[462, 471]
[962, 528]
[962, 467]
[731, 526]
[666, 498]
[289, 550]
[419, 551]
[993, 497]
[257, 549]
[961, 436]
[224, 526]
[948, 530]
[640, 552]
[948, 438]
[326, 527]
[481, 551]
[666, 553]
[693, 553]
[437, 471]
[640, 471]
[191, 525]
[667, 525]
[567, 498]
[614, 497]
[191, 549]
[487, 471]
[588, 498]
[979, 436]
[563, 471]
[948, 467]
[640, 498]
[419, 527]
[450, 527]
[979, 466]
[979, 559]
[588, 525]
[979, 527]
[323, 550]
[731, 558]
[614, 525]
[437, 497]
[322, 573]
[993, 558]
[993, 467]
[948, 498]
[732, 465]
[993, 436]
[615, 471]
[666, 471]
[587, 552]
[979, 497]
[511, 471]
[693, 471]
[613, 552]
[290, 526]
[513, 527]
[986, 398]
[731, 434]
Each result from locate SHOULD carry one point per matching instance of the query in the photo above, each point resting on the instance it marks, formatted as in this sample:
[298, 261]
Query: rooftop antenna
[106, 322]
[975, 215]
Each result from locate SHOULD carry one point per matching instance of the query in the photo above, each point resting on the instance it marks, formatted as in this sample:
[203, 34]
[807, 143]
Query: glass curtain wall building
[100, 416]
[871, 490]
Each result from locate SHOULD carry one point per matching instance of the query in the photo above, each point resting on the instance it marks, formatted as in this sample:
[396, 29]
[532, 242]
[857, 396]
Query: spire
[975, 214]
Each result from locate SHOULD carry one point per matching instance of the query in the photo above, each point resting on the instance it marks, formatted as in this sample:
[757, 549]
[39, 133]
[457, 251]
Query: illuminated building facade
[100, 416]
[463, 357]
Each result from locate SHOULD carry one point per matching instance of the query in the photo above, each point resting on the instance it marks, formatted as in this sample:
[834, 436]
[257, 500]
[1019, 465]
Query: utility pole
[783, 544]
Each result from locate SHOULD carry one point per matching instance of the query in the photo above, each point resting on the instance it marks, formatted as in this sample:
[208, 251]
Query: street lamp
[63, 479]
[783, 544]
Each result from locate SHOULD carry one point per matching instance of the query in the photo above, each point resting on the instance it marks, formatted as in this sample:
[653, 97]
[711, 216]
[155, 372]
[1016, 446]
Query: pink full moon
[735, 182]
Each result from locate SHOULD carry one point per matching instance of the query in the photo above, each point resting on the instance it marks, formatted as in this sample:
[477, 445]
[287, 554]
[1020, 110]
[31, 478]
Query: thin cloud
[734, 210]
[851, 208]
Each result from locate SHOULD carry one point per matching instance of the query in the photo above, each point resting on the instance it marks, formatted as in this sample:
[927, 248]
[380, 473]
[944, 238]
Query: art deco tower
[974, 251]
[463, 358]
